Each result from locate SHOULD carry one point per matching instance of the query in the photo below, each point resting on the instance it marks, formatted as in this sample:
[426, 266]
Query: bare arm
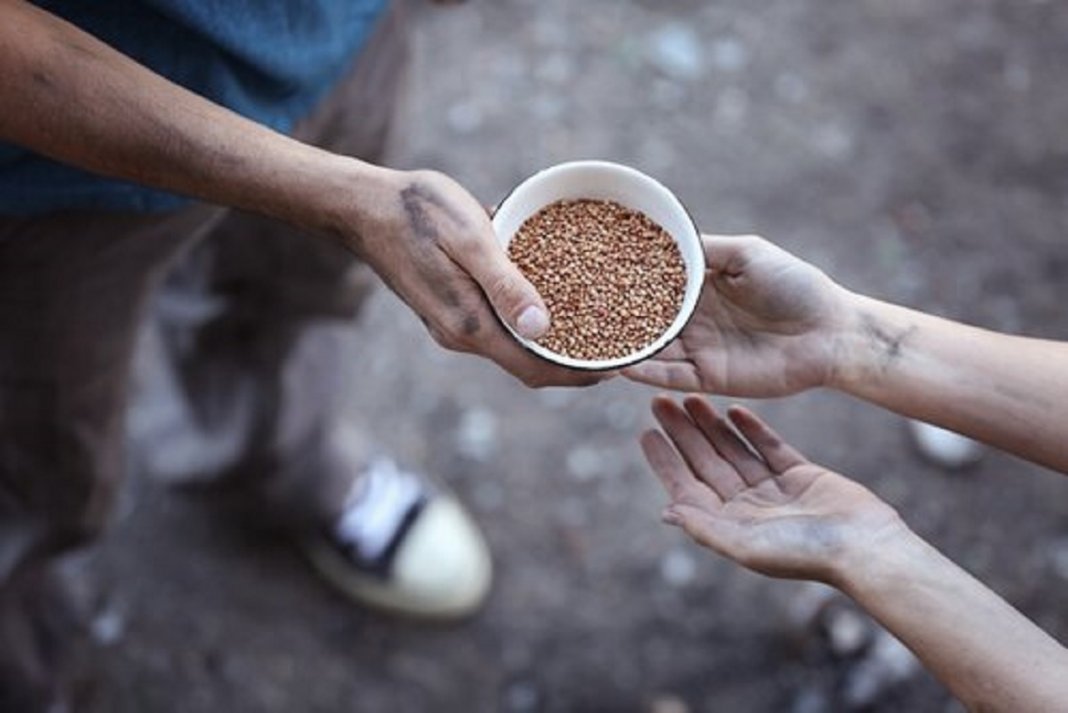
[991, 656]
[775, 512]
[770, 324]
[75, 99]
[1011, 392]
[68, 96]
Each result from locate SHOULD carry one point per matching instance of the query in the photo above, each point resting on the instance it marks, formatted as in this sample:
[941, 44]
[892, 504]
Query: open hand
[434, 245]
[766, 325]
[766, 507]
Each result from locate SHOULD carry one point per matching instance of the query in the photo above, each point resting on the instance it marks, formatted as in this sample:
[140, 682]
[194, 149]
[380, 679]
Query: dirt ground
[917, 151]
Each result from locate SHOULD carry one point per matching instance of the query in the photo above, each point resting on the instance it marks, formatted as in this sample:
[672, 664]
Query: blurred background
[917, 151]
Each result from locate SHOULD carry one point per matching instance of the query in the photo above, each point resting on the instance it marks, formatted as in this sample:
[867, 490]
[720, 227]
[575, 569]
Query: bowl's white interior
[601, 180]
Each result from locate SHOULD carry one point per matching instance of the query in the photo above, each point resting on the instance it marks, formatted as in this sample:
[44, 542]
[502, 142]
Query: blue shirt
[269, 60]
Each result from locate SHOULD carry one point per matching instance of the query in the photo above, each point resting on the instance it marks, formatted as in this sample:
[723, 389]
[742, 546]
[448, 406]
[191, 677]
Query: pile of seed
[612, 278]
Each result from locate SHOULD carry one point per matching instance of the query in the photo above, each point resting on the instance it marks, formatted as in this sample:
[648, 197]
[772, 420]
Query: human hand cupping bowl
[767, 325]
[433, 244]
[766, 507]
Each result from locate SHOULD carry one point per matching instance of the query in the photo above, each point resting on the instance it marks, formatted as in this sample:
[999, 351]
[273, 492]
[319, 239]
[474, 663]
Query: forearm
[1010, 392]
[988, 654]
[73, 98]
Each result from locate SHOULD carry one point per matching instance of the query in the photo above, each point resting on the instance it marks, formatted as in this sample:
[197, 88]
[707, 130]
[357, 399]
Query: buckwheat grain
[612, 278]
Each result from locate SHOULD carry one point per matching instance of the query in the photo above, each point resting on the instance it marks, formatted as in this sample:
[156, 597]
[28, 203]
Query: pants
[237, 376]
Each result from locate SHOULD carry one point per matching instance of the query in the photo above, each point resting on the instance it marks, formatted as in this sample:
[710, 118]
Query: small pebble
[944, 448]
[108, 627]
[677, 51]
[667, 703]
[522, 697]
[464, 118]
[678, 568]
[476, 436]
[887, 663]
[1058, 557]
[584, 463]
[848, 630]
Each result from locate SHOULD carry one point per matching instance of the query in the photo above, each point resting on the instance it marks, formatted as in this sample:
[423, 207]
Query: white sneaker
[404, 544]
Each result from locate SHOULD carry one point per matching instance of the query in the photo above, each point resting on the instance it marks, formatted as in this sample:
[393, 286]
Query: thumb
[511, 294]
[730, 254]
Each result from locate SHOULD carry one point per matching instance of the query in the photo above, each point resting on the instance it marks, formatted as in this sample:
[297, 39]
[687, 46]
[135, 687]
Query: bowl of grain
[614, 254]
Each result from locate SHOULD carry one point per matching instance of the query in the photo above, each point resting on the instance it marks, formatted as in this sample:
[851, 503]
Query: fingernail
[670, 517]
[532, 323]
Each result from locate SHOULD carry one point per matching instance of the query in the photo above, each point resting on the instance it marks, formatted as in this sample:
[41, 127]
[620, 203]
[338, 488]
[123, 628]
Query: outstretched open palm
[766, 507]
[765, 325]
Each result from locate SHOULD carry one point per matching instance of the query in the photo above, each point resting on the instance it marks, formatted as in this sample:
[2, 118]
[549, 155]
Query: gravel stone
[678, 568]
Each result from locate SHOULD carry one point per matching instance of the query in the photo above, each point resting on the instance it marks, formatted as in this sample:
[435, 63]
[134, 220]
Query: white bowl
[601, 180]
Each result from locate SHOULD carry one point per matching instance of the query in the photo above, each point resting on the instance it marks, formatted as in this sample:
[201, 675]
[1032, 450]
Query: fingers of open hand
[675, 475]
[779, 455]
[697, 450]
[726, 441]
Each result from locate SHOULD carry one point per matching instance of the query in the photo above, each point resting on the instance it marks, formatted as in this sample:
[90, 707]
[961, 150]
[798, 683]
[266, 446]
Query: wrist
[874, 563]
[867, 341]
[354, 200]
[837, 340]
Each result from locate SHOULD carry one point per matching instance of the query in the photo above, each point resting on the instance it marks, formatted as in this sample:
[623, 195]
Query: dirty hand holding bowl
[433, 244]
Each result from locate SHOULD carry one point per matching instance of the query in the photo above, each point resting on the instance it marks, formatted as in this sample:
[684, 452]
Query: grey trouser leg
[242, 371]
[72, 291]
[246, 324]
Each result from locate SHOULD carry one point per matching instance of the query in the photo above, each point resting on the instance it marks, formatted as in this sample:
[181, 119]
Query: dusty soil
[917, 151]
